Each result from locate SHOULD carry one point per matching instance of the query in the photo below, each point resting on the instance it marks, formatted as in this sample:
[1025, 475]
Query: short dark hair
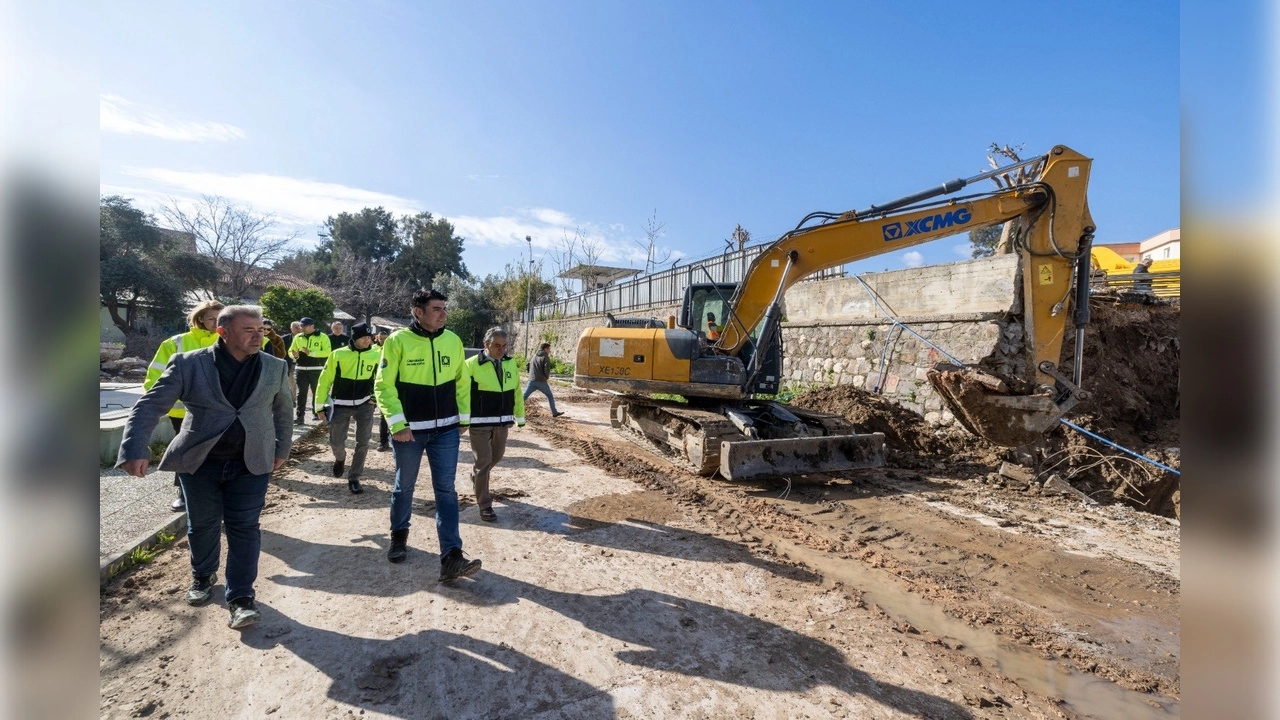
[422, 297]
[545, 346]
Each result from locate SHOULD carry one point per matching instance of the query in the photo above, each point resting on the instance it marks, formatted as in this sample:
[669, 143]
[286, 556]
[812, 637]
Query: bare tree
[653, 255]
[565, 258]
[1004, 245]
[741, 237]
[366, 288]
[239, 240]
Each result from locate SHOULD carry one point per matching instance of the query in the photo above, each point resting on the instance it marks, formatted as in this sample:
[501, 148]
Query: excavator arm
[1055, 230]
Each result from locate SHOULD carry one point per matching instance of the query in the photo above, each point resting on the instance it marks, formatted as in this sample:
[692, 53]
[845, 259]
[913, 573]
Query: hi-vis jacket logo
[894, 230]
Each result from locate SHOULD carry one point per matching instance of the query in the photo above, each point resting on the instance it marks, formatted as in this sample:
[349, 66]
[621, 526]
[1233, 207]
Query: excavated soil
[1131, 365]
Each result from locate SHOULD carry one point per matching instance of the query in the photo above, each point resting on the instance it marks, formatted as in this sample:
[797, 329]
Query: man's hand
[279, 462]
[405, 435]
[136, 468]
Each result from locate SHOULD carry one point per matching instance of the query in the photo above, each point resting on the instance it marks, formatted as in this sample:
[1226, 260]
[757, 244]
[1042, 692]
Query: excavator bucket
[753, 459]
[984, 405]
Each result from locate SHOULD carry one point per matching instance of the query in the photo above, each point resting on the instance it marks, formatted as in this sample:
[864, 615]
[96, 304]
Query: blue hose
[1101, 439]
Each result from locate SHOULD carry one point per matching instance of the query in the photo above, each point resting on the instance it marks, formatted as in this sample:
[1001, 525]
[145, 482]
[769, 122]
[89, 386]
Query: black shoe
[399, 549]
[243, 613]
[453, 566]
[299, 421]
[384, 447]
[338, 467]
[354, 485]
[201, 589]
[556, 414]
[180, 504]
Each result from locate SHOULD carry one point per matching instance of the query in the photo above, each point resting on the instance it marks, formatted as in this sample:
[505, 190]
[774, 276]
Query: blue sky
[544, 119]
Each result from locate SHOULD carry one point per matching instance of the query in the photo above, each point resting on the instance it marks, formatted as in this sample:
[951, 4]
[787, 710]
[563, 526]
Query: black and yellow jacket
[495, 397]
[350, 373]
[318, 350]
[422, 381]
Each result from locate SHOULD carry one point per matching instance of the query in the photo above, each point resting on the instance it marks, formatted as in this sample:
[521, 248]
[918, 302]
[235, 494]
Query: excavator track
[706, 441]
[689, 436]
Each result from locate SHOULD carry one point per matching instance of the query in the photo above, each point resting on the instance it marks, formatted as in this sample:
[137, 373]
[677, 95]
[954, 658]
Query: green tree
[984, 241]
[284, 305]
[141, 266]
[370, 234]
[430, 248]
[470, 314]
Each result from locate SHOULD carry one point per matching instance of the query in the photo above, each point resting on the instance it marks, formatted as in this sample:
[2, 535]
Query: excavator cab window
[706, 308]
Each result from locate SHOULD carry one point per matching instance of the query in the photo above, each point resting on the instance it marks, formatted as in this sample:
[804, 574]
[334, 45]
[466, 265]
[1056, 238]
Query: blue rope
[1101, 439]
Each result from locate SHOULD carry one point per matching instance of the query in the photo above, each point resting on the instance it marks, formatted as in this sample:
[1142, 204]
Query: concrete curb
[175, 527]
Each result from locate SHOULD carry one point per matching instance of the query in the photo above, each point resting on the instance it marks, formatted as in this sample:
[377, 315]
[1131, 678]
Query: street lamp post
[528, 295]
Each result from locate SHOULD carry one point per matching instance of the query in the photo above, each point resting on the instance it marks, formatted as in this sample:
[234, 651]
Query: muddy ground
[617, 585]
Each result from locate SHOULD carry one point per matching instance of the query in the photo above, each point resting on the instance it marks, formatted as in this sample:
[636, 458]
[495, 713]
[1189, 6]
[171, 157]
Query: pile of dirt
[909, 440]
[1131, 368]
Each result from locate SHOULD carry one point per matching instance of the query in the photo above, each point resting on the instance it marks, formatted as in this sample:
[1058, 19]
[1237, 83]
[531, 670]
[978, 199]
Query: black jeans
[307, 380]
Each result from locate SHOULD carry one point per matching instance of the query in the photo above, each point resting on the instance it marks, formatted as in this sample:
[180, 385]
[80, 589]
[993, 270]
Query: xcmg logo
[894, 230]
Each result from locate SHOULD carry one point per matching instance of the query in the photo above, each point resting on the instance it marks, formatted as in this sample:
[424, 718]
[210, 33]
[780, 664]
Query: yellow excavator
[720, 368]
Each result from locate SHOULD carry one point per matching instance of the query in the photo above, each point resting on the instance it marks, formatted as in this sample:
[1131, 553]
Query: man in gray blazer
[237, 430]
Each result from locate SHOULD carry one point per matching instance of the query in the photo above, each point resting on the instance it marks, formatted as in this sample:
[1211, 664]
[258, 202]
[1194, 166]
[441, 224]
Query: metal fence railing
[1162, 284]
[662, 288]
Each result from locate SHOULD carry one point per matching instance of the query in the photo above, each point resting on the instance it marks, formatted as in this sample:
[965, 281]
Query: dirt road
[615, 585]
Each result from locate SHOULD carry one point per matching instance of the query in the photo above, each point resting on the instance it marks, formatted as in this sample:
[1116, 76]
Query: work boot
[399, 549]
[556, 414]
[180, 504]
[338, 467]
[201, 589]
[454, 565]
[354, 485]
[384, 447]
[243, 613]
[299, 421]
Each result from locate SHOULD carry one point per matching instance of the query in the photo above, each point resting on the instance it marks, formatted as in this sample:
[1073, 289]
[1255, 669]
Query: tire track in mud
[969, 573]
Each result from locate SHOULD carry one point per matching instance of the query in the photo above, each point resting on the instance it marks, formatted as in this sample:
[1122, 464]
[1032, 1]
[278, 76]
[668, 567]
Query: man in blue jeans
[423, 388]
[539, 374]
[236, 432]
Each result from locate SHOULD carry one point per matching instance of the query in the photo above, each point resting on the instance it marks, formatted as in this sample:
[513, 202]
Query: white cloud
[295, 201]
[303, 205]
[963, 251]
[911, 258]
[117, 115]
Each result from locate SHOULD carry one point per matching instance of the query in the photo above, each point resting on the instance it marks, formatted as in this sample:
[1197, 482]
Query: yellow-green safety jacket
[318, 351]
[350, 373]
[193, 339]
[423, 381]
[495, 400]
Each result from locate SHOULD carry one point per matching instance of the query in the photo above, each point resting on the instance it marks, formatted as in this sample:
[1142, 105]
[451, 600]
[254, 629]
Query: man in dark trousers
[346, 388]
[1142, 276]
[236, 434]
[539, 375]
[310, 350]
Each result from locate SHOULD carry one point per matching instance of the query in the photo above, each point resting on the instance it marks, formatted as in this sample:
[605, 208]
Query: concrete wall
[835, 334]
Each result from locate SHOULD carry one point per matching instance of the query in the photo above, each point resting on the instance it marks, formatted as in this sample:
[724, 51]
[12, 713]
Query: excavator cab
[706, 310]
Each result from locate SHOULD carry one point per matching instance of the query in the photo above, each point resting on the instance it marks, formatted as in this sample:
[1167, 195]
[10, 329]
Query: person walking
[235, 434]
[496, 405]
[349, 372]
[539, 375]
[423, 389]
[202, 321]
[337, 338]
[295, 329]
[310, 350]
[384, 433]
